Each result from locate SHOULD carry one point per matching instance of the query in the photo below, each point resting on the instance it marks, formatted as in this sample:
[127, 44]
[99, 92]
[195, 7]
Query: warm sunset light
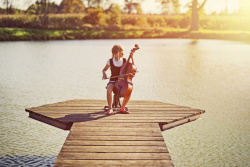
[151, 6]
[221, 5]
[136, 69]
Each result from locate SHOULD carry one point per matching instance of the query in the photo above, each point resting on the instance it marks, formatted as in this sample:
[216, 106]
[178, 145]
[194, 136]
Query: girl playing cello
[115, 64]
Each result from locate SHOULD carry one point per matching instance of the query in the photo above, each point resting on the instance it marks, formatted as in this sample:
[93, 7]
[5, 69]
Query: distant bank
[25, 34]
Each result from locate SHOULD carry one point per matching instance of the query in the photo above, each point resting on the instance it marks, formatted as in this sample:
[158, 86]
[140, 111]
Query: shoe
[110, 112]
[124, 111]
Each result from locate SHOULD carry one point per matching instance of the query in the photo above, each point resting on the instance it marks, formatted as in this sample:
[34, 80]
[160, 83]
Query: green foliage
[169, 6]
[225, 23]
[114, 14]
[43, 7]
[97, 19]
[132, 6]
[156, 21]
[244, 8]
[9, 34]
[72, 6]
[95, 16]
[11, 11]
[66, 22]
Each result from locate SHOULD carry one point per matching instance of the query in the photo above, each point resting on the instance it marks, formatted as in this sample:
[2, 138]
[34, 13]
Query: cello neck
[125, 66]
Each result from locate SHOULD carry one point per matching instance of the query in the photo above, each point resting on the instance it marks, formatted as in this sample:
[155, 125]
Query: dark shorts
[110, 82]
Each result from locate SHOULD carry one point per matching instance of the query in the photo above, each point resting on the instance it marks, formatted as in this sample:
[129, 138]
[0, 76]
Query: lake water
[212, 75]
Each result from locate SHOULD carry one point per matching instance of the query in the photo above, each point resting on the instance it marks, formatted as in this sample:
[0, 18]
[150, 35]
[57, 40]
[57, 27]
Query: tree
[43, 8]
[96, 3]
[72, 6]
[95, 16]
[195, 15]
[9, 6]
[132, 6]
[244, 8]
[168, 5]
[114, 13]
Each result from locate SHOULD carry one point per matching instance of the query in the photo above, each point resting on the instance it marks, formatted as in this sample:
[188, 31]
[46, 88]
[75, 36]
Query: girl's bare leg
[109, 95]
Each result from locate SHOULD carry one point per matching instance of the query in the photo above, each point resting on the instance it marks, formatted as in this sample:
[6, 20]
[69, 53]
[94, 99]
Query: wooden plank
[114, 149]
[113, 138]
[80, 101]
[101, 109]
[111, 133]
[112, 117]
[109, 163]
[120, 156]
[50, 121]
[110, 124]
[130, 104]
[115, 129]
[70, 120]
[166, 126]
[102, 103]
[76, 142]
[131, 114]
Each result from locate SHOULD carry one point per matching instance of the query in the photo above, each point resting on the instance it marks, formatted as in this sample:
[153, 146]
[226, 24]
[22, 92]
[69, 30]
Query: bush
[114, 15]
[128, 19]
[113, 27]
[95, 16]
[156, 20]
[97, 19]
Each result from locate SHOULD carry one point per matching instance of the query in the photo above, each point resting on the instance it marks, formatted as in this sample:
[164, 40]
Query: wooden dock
[96, 139]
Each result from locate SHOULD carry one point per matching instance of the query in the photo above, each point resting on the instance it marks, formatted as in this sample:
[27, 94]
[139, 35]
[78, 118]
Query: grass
[69, 27]
[20, 34]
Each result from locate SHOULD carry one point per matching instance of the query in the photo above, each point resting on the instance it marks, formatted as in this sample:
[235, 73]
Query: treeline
[70, 6]
[95, 19]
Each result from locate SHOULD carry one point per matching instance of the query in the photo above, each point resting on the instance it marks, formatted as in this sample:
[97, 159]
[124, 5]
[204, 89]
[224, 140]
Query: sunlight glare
[150, 6]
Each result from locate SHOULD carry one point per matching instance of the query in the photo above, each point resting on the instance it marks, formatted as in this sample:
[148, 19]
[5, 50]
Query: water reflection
[207, 74]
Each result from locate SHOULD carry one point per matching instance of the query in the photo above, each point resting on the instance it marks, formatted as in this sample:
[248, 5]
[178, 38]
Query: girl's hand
[104, 76]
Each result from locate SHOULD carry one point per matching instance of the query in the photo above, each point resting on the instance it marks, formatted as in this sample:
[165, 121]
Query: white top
[115, 62]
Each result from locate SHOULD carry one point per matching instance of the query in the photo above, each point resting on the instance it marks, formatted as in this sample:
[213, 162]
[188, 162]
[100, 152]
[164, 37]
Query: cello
[124, 86]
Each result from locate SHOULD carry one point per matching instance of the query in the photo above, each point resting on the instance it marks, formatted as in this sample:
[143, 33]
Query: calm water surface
[207, 74]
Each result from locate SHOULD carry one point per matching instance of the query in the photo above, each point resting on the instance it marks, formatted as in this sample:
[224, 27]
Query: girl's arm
[104, 75]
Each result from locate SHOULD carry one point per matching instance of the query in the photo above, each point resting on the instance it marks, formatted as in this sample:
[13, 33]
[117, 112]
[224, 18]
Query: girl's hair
[116, 49]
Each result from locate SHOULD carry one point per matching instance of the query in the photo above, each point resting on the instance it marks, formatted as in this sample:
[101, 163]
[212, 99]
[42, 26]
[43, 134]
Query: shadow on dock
[83, 117]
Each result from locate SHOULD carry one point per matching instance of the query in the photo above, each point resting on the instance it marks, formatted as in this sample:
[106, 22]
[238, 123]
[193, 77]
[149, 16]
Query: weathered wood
[97, 110]
[111, 133]
[166, 126]
[114, 143]
[113, 138]
[96, 139]
[121, 156]
[115, 117]
[50, 121]
[114, 149]
[110, 124]
[115, 129]
[109, 163]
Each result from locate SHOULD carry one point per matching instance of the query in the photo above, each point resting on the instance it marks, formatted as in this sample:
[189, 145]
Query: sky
[149, 6]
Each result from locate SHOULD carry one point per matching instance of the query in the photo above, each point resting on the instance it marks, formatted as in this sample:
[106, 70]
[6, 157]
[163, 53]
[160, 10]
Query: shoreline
[25, 34]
